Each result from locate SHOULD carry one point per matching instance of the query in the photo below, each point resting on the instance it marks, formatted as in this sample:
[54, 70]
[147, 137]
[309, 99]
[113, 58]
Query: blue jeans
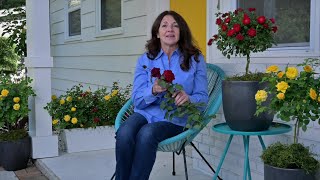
[136, 146]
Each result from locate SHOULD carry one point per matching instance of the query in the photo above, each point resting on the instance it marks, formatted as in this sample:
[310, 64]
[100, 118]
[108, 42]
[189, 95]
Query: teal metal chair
[178, 143]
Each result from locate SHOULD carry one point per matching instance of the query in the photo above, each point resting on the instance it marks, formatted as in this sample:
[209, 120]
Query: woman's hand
[156, 88]
[181, 97]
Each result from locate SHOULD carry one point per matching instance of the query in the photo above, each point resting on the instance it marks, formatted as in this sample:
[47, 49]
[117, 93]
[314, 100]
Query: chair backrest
[215, 75]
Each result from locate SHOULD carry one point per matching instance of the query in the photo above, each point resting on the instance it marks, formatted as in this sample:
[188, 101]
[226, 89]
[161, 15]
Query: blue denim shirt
[194, 83]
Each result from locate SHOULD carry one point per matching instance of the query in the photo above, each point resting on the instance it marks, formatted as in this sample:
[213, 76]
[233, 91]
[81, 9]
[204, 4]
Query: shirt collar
[161, 53]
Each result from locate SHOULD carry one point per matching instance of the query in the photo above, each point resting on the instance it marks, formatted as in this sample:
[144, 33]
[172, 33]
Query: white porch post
[39, 64]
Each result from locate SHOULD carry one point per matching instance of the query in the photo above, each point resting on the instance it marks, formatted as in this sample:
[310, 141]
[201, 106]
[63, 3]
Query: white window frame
[67, 11]
[295, 53]
[107, 32]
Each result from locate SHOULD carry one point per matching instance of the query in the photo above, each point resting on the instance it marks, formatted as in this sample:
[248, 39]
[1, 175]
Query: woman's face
[169, 32]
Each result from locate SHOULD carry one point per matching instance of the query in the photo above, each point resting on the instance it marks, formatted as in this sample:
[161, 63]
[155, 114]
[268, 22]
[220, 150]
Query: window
[74, 18]
[110, 14]
[292, 18]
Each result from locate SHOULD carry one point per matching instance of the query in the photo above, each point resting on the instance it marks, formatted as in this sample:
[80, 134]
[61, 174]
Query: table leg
[246, 170]
[262, 143]
[222, 157]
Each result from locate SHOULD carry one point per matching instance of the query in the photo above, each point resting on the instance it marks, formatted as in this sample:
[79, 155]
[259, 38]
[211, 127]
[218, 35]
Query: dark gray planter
[15, 155]
[239, 106]
[275, 173]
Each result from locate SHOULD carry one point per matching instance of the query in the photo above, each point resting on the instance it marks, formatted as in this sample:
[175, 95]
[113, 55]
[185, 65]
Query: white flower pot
[88, 139]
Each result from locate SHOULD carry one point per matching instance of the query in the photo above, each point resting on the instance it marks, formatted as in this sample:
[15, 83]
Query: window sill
[109, 32]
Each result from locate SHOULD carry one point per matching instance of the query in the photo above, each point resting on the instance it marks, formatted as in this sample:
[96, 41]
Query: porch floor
[100, 165]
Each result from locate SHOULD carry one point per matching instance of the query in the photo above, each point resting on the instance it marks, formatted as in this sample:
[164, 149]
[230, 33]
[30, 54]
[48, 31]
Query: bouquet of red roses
[188, 109]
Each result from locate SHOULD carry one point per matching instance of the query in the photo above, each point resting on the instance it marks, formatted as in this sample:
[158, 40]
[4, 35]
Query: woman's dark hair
[186, 43]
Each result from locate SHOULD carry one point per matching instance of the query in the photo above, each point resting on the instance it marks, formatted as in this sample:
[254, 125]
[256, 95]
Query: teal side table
[275, 128]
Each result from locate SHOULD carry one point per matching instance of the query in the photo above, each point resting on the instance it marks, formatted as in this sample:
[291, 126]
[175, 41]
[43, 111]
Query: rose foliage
[195, 116]
[295, 95]
[242, 32]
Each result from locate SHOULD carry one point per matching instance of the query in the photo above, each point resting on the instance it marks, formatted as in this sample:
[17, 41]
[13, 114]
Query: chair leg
[173, 160]
[113, 175]
[185, 163]
[204, 159]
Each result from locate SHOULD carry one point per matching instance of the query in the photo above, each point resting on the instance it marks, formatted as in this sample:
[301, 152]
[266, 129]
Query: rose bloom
[237, 27]
[107, 97]
[319, 99]
[62, 101]
[282, 86]
[74, 120]
[4, 93]
[307, 68]
[261, 95]
[168, 76]
[53, 97]
[261, 19]
[240, 37]
[114, 92]
[73, 109]
[280, 96]
[16, 107]
[313, 94]
[16, 99]
[252, 32]
[155, 72]
[69, 98]
[272, 68]
[292, 72]
[66, 118]
[280, 74]
[55, 121]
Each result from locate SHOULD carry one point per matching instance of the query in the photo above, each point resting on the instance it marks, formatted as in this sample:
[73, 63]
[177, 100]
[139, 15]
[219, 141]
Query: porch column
[39, 64]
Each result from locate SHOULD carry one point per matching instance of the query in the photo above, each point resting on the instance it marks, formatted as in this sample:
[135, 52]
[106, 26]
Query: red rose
[227, 20]
[96, 119]
[246, 19]
[252, 32]
[215, 37]
[218, 21]
[168, 76]
[252, 9]
[274, 29]
[266, 26]
[231, 32]
[240, 37]
[273, 20]
[261, 19]
[237, 27]
[210, 42]
[225, 14]
[224, 27]
[238, 10]
[155, 72]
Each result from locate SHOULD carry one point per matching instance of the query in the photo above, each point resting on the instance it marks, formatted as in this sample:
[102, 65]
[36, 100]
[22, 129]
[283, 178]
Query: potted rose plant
[241, 33]
[295, 96]
[80, 111]
[15, 144]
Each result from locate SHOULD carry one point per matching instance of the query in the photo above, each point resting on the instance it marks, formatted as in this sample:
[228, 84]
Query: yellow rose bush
[79, 108]
[14, 94]
[295, 95]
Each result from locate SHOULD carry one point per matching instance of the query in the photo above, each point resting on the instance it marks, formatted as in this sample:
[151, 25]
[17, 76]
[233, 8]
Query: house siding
[96, 60]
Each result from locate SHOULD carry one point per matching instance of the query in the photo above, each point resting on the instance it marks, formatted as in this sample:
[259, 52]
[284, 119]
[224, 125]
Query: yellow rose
[16, 99]
[319, 98]
[282, 86]
[55, 121]
[4, 93]
[79, 98]
[280, 74]
[73, 109]
[16, 107]
[272, 68]
[313, 94]
[107, 97]
[62, 101]
[114, 92]
[261, 96]
[280, 96]
[53, 97]
[66, 118]
[74, 120]
[69, 98]
[307, 68]
[292, 72]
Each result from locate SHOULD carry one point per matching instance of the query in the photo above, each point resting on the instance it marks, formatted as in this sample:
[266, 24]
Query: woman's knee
[146, 136]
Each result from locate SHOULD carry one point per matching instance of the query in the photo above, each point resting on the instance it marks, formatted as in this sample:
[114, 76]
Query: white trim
[215, 56]
[107, 32]
[67, 10]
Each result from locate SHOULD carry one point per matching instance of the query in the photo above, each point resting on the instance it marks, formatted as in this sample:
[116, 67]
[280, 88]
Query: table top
[275, 128]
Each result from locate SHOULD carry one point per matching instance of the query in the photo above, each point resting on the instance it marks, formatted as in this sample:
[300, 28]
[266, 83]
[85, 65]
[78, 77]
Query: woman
[170, 48]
